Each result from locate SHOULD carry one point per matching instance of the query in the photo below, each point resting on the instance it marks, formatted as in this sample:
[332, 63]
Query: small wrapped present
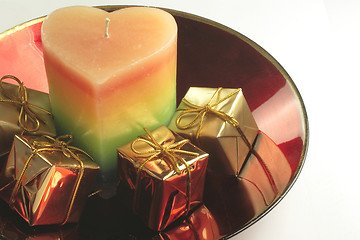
[266, 170]
[22, 110]
[220, 122]
[164, 176]
[47, 181]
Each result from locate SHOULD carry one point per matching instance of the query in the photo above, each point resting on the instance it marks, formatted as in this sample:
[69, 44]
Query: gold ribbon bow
[208, 108]
[169, 154]
[202, 111]
[59, 144]
[27, 117]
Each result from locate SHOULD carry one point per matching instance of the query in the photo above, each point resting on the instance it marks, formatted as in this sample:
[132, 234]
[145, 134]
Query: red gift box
[46, 181]
[164, 176]
[199, 225]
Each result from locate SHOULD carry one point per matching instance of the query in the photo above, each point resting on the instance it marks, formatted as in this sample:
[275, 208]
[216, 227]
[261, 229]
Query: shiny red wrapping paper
[199, 225]
[52, 187]
[208, 117]
[10, 112]
[162, 195]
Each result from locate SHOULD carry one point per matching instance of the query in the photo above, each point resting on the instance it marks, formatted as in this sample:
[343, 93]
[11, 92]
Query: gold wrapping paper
[13, 113]
[46, 181]
[267, 174]
[160, 192]
[220, 122]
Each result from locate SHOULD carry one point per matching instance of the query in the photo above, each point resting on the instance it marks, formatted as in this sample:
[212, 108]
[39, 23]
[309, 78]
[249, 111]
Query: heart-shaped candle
[110, 75]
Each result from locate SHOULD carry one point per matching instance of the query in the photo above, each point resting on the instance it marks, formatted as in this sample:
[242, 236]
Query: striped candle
[110, 75]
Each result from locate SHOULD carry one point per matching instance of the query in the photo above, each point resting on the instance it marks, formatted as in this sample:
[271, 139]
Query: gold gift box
[216, 132]
[162, 195]
[46, 185]
[9, 115]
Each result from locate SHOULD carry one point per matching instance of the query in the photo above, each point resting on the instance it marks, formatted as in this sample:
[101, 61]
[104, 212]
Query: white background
[317, 42]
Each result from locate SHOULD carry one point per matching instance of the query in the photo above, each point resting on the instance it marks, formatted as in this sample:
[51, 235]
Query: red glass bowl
[209, 55]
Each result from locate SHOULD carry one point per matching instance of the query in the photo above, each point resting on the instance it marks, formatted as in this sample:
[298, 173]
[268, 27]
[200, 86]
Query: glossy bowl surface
[209, 55]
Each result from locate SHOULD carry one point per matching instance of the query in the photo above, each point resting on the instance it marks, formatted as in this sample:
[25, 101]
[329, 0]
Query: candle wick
[107, 22]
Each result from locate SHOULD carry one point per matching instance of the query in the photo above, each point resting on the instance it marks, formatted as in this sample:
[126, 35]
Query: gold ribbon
[167, 153]
[202, 111]
[59, 144]
[209, 108]
[26, 116]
